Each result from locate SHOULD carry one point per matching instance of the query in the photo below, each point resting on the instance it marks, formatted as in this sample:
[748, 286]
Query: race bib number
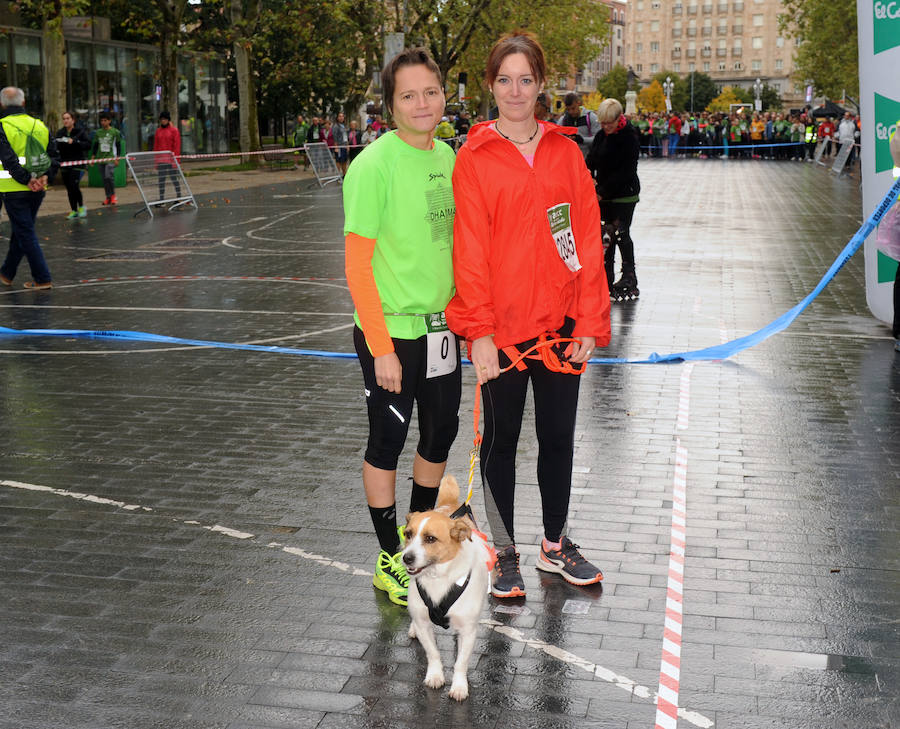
[442, 357]
[561, 229]
[106, 146]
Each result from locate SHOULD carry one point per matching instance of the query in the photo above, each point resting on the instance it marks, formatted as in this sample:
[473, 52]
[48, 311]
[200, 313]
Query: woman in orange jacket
[528, 261]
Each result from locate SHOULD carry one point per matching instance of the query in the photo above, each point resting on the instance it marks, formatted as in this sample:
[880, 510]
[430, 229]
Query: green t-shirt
[107, 143]
[402, 197]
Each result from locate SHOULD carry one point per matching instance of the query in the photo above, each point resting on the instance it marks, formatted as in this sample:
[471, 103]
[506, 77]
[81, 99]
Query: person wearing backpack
[22, 189]
[73, 143]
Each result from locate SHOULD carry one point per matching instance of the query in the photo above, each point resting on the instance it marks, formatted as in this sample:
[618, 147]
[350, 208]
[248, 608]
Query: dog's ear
[460, 531]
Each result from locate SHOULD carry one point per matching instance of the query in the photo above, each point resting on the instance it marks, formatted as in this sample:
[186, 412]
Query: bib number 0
[442, 355]
[561, 229]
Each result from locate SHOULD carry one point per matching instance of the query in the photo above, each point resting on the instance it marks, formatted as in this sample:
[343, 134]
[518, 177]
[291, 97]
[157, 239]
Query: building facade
[613, 53]
[120, 78]
[733, 41]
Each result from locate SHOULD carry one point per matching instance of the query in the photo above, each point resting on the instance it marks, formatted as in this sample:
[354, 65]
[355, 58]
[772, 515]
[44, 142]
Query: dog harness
[438, 613]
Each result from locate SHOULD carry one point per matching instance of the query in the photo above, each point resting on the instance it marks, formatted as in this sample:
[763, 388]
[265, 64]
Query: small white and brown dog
[449, 563]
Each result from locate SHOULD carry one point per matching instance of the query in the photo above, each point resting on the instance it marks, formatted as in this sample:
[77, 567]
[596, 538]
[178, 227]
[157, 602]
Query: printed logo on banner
[886, 24]
[887, 112]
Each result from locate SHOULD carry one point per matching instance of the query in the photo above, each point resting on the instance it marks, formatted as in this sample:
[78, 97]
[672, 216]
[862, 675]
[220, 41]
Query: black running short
[436, 398]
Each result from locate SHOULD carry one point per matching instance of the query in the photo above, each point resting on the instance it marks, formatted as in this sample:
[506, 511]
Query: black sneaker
[507, 577]
[568, 562]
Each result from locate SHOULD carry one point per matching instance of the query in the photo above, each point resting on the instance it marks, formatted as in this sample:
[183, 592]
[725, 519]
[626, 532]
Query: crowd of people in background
[791, 136]
[757, 135]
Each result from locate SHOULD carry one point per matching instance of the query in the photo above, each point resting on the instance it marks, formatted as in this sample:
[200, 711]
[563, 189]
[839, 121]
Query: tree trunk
[54, 52]
[247, 107]
[168, 73]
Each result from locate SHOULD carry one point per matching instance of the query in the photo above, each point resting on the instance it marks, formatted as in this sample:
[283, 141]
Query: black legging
[616, 217]
[555, 401]
[72, 178]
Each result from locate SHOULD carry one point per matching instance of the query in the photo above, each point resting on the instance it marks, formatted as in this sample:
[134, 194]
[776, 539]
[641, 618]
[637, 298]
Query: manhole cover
[128, 256]
[179, 243]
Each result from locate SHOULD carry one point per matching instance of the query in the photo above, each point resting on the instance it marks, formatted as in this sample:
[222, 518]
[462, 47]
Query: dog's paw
[459, 689]
[412, 631]
[434, 678]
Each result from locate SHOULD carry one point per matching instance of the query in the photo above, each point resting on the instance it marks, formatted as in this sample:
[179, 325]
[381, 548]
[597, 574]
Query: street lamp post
[757, 90]
[667, 88]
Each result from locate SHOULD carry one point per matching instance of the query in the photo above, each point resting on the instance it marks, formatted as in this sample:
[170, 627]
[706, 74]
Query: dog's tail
[448, 493]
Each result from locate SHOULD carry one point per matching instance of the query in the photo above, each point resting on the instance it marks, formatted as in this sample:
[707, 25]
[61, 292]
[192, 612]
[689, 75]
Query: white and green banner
[879, 76]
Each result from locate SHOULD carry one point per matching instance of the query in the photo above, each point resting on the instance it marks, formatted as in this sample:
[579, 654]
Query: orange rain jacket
[510, 279]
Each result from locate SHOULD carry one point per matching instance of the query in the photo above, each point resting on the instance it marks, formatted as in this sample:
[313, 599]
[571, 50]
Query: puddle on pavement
[815, 661]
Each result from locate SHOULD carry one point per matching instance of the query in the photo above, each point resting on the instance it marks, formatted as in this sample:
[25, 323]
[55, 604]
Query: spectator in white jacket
[847, 133]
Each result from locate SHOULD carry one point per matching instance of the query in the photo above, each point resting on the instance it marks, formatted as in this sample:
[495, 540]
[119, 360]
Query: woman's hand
[389, 372]
[581, 350]
[485, 359]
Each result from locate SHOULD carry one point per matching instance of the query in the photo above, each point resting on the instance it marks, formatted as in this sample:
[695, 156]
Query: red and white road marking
[670, 664]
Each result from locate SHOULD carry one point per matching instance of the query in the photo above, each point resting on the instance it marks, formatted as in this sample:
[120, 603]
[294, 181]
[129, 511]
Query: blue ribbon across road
[717, 352]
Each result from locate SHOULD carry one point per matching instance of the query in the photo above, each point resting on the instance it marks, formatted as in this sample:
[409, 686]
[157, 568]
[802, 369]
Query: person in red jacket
[527, 261]
[167, 139]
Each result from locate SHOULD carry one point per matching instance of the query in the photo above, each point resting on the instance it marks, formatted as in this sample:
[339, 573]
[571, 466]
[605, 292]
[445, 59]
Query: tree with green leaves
[163, 23]
[48, 15]
[572, 32]
[704, 90]
[614, 84]
[827, 45]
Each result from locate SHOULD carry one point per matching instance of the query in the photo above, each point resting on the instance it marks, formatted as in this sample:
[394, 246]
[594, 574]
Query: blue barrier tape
[716, 352]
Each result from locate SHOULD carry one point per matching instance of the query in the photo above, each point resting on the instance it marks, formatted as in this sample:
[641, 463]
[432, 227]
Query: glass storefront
[27, 66]
[122, 79]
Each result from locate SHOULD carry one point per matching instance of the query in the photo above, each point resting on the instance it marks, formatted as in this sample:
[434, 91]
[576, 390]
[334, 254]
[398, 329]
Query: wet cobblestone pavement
[184, 538]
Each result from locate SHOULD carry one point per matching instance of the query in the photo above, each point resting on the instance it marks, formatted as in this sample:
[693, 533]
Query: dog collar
[438, 613]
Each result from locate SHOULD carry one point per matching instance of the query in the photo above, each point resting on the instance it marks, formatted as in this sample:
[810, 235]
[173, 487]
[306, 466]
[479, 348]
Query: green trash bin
[95, 179]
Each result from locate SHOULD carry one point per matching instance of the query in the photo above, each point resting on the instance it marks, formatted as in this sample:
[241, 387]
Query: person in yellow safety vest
[811, 138]
[22, 191]
[445, 129]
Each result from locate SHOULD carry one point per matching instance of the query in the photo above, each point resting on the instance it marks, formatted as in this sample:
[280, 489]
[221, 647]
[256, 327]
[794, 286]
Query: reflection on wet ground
[184, 539]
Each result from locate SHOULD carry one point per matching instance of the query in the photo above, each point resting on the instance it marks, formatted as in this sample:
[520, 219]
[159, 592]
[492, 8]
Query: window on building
[779, 64]
[639, 68]
[619, 33]
[723, 43]
[639, 26]
[692, 66]
[779, 42]
[756, 65]
[738, 42]
[29, 70]
[618, 50]
[676, 67]
[706, 66]
[655, 4]
[757, 41]
[654, 68]
[738, 66]
[654, 46]
[638, 47]
[654, 26]
[758, 20]
[640, 4]
[722, 66]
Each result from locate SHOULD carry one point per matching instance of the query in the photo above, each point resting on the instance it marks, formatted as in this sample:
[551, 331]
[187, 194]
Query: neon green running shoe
[390, 576]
